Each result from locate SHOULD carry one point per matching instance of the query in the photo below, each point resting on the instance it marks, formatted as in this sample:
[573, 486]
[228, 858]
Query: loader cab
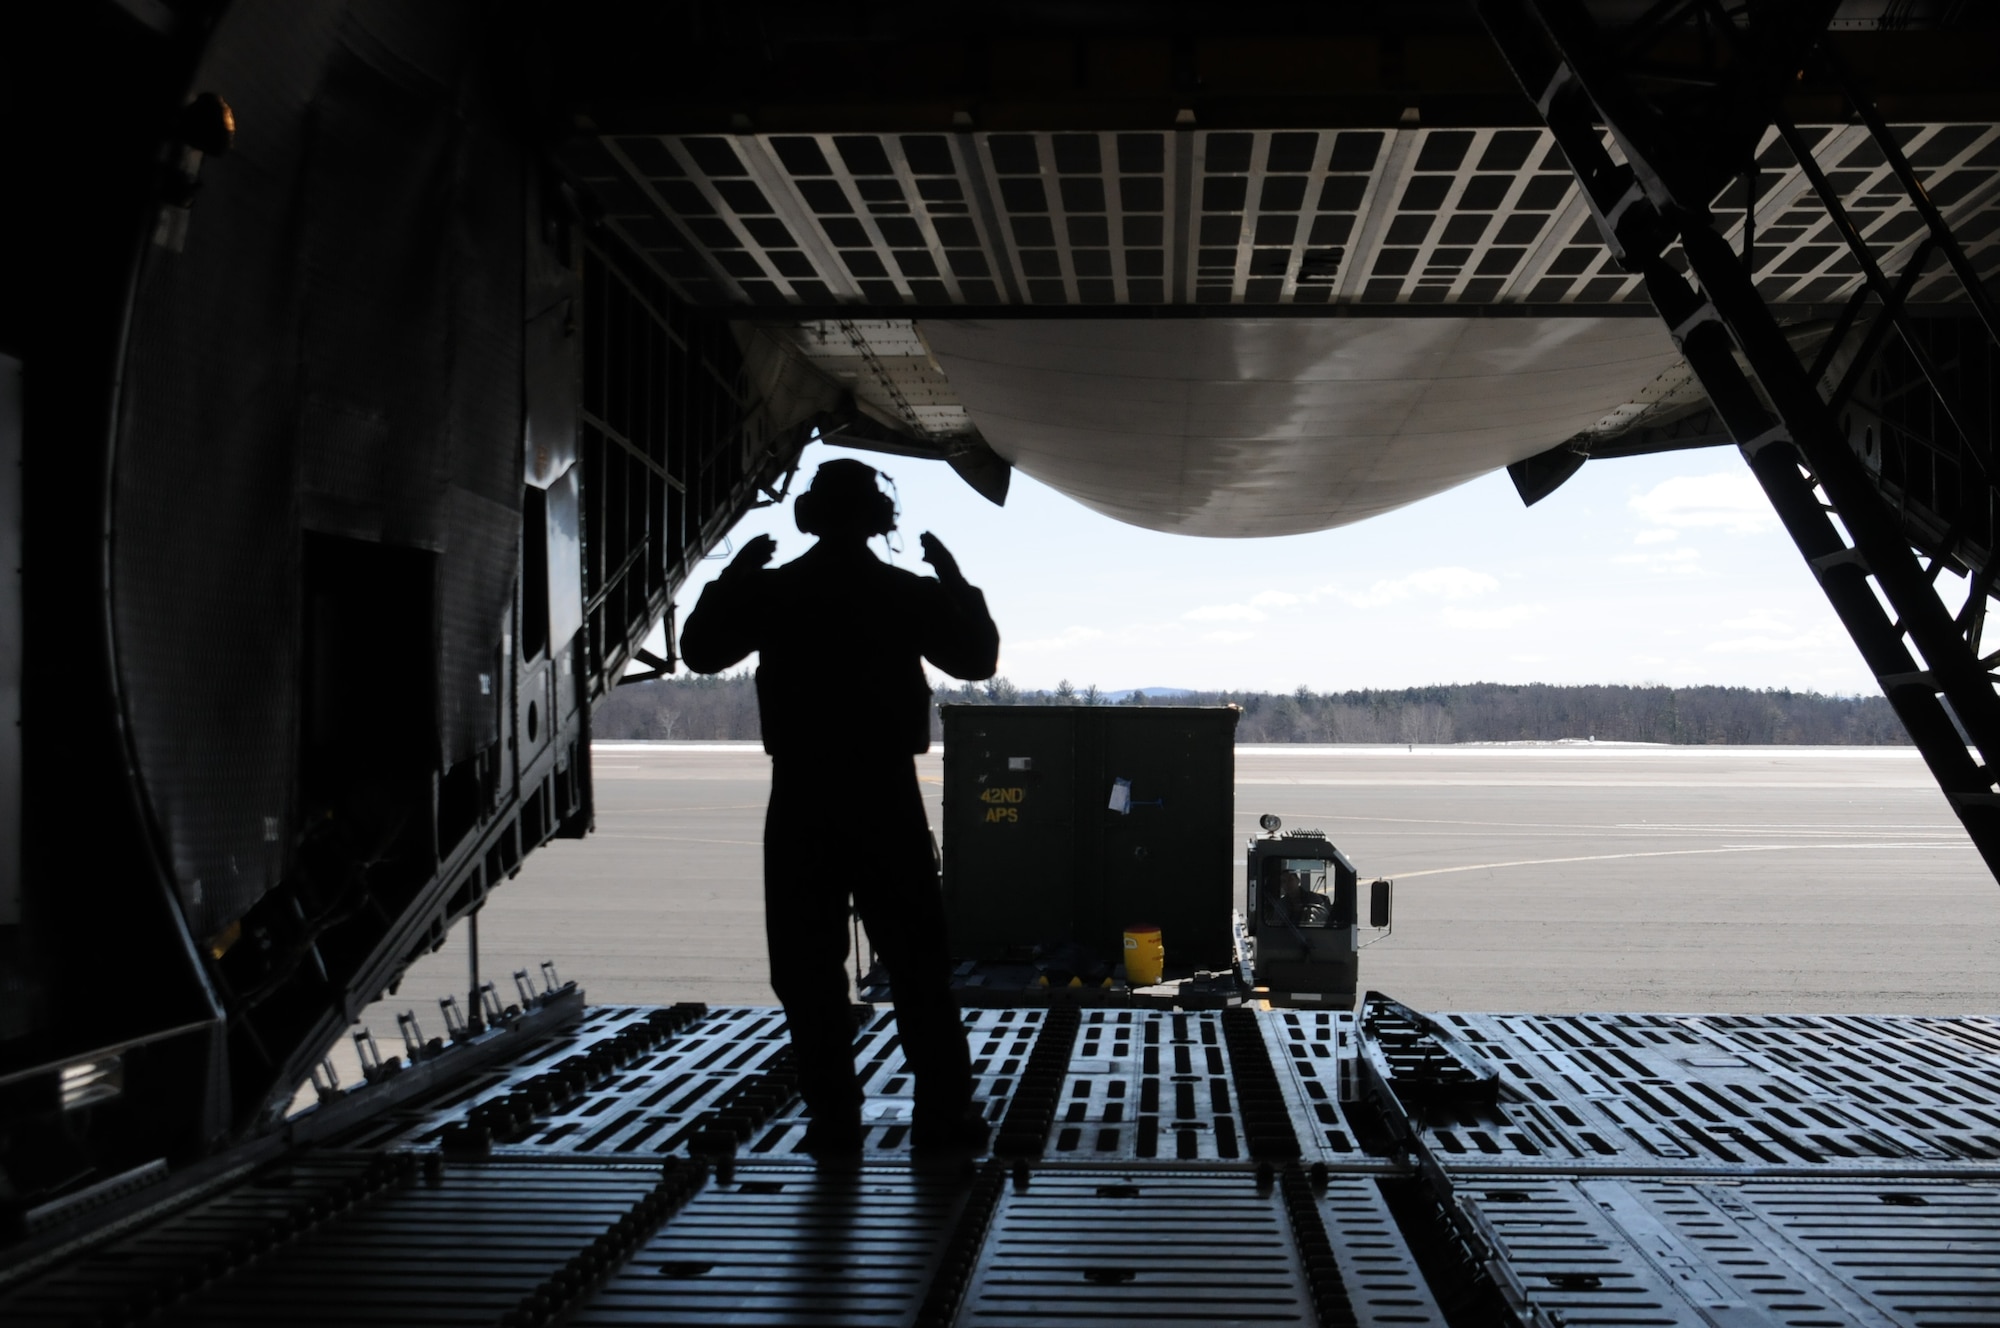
[1301, 922]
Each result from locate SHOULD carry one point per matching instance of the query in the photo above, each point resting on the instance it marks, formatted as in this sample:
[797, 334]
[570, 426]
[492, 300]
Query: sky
[1663, 569]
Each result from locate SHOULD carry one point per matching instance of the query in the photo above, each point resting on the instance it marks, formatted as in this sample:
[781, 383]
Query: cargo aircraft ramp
[635, 1165]
[373, 377]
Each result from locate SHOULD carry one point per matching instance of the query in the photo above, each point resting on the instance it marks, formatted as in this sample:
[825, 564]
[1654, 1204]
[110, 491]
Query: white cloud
[1492, 620]
[1068, 638]
[1767, 635]
[1756, 645]
[1225, 613]
[1227, 638]
[1758, 622]
[1447, 583]
[1436, 582]
[1730, 501]
[1666, 560]
[1663, 561]
[1656, 535]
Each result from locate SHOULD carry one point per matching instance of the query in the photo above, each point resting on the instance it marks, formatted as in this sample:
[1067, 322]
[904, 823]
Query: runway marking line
[675, 811]
[1910, 786]
[1660, 853]
[1772, 827]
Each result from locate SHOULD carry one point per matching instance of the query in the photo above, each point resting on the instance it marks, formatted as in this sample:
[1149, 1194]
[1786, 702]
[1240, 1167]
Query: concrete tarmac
[1562, 877]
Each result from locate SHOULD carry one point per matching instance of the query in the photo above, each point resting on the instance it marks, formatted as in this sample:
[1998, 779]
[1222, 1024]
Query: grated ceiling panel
[1394, 217]
[888, 366]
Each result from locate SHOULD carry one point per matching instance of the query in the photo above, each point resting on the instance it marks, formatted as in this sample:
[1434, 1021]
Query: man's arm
[724, 626]
[959, 634]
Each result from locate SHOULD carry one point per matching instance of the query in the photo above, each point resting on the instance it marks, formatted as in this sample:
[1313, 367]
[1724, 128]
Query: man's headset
[846, 495]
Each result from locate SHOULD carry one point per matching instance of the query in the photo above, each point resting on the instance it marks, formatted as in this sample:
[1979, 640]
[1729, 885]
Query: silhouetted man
[840, 637]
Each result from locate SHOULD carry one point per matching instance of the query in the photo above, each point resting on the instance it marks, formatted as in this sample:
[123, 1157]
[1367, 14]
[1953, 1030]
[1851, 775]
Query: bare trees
[725, 707]
[1425, 722]
[1540, 712]
[696, 707]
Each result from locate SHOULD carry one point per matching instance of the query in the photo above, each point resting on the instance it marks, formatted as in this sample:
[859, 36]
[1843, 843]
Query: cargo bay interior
[373, 375]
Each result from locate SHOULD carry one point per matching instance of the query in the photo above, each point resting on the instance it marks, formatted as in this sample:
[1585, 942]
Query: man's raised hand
[939, 557]
[754, 554]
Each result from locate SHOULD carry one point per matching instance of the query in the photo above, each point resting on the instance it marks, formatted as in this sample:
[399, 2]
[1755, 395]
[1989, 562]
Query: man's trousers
[842, 831]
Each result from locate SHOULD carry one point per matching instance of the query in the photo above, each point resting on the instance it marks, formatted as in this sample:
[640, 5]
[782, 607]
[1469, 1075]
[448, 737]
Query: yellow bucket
[1145, 956]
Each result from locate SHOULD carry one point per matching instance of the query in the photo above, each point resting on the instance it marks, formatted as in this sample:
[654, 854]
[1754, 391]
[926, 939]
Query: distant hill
[725, 707]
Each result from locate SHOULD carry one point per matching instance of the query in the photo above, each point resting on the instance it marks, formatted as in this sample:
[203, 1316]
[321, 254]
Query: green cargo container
[1035, 853]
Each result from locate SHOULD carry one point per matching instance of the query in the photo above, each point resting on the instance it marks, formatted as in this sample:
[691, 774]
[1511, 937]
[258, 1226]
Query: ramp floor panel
[1708, 1092]
[1315, 1052]
[786, 1246]
[1154, 1247]
[1147, 1084]
[653, 1106]
[1622, 1251]
[459, 1245]
[1379, 1273]
[644, 1167]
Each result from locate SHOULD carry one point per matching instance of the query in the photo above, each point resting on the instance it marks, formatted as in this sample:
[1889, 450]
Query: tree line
[724, 707]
